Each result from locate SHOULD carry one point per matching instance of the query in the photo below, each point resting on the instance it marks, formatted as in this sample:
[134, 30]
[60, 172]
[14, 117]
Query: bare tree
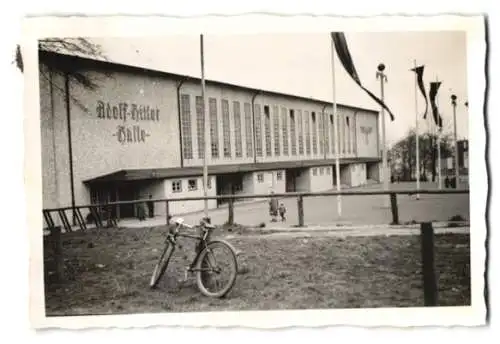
[74, 46]
[403, 154]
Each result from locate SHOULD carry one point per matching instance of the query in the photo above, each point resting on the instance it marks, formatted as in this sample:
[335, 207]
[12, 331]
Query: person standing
[151, 207]
[282, 211]
[273, 207]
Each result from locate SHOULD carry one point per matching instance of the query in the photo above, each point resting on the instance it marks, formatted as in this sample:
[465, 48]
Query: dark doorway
[229, 184]
[128, 192]
[291, 179]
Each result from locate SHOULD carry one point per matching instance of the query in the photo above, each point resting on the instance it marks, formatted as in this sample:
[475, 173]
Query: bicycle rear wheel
[162, 264]
[217, 260]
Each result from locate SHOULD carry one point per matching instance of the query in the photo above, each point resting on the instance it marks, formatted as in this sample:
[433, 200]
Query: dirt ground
[108, 272]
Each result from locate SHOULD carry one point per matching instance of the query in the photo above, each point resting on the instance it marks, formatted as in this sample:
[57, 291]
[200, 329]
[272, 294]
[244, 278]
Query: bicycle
[204, 264]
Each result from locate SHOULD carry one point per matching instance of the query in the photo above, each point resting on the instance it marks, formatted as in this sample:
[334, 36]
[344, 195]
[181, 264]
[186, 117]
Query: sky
[300, 64]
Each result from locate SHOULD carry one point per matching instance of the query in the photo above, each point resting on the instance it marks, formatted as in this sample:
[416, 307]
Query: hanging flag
[346, 60]
[420, 81]
[434, 87]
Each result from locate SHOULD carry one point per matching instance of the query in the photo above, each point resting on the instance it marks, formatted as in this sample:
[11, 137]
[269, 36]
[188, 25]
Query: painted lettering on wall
[366, 131]
[130, 134]
[125, 112]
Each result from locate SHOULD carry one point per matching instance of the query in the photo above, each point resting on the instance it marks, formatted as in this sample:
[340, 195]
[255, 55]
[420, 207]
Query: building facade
[139, 132]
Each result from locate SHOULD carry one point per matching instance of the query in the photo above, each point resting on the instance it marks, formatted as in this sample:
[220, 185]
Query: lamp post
[454, 104]
[385, 175]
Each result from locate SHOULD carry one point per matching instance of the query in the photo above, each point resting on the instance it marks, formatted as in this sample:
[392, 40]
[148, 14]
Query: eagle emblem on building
[366, 131]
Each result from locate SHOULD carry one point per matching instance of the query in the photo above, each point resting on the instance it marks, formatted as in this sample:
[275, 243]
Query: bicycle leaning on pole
[205, 264]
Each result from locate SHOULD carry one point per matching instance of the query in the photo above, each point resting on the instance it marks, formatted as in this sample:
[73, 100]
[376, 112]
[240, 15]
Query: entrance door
[291, 180]
[127, 192]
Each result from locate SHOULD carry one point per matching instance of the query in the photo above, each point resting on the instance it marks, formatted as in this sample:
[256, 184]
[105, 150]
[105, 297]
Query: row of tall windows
[278, 130]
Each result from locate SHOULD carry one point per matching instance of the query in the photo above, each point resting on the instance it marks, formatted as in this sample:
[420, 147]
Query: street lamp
[454, 104]
[383, 79]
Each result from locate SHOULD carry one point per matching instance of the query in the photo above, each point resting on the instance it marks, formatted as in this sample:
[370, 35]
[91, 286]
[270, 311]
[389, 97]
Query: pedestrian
[141, 211]
[273, 207]
[282, 211]
[151, 207]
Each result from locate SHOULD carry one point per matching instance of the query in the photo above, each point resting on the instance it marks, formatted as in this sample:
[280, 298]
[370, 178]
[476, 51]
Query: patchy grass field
[108, 271]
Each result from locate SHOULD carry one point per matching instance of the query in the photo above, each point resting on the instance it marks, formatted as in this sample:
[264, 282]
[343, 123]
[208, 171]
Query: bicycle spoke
[220, 263]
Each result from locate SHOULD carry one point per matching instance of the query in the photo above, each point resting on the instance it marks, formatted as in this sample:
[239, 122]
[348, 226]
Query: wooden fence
[101, 214]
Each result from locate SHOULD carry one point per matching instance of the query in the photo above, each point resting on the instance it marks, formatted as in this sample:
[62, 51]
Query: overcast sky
[300, 64]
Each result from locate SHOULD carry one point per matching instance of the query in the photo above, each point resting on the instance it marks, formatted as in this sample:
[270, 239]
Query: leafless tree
[403, 153]
[74, 46]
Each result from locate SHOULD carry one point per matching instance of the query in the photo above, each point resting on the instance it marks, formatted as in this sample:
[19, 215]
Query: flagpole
[417, 169]
[440, 183]
[454, 103]
[336, 131]
[206, 130]
[385, 174]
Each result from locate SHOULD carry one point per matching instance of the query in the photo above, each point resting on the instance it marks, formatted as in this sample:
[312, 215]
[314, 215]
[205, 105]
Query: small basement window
[192, 184]
[260, 177]
[177, 186]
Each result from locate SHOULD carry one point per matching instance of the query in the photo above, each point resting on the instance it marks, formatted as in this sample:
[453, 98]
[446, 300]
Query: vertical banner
[434, 88]
[345, 58]
[420, 81]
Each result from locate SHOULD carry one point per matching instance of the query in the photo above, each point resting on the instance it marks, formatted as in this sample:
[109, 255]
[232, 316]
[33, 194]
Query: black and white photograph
[205, 172]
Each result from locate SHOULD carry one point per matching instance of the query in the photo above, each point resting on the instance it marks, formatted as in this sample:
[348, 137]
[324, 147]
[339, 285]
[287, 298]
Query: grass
[108, 271]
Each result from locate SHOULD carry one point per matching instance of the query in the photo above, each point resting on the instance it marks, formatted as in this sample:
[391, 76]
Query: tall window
[348, 130]
[200, 127]
[343, 134]
[332, 130]
[339, 134]
[314, 133]
[308, 133]
[237, 129]
[276, 126]
[267, 130]
[321, 133]
[247, 108]
[326, 130]
[354, 136]
[284, 124]
[214, 129]
[258, 130]
[226, 129]
[187, 140]
[293, 134]
[301, 132]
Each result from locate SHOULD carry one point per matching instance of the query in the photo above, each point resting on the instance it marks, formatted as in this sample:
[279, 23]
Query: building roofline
[103, 64]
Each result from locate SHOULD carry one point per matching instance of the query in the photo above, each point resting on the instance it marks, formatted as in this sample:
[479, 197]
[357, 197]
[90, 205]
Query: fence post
[300, 209]
[428, 271]
[394, 209]
[230, 219]
[55, 238]
[167, 212]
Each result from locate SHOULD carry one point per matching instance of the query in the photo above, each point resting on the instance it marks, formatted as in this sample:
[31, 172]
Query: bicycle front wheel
[162, 264]
[216, 269]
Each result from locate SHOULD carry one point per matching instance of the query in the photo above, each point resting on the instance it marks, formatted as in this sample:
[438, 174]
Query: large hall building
[138, 132]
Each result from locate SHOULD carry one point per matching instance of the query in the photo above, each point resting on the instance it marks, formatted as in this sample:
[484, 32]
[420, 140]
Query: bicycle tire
[199, 274]
[161, 265]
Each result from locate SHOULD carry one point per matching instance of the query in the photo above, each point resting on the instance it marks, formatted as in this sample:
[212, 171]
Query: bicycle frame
[202, 240]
